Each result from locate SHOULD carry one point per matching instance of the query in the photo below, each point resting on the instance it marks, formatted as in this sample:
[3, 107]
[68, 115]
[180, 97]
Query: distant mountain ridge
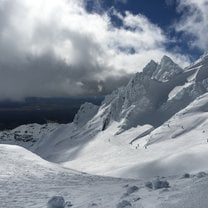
[41, 110]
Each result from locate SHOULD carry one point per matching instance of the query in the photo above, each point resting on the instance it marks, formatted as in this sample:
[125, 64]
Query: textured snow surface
[26, 180]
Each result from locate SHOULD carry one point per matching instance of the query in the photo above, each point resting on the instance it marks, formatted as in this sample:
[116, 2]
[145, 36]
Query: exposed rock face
[85, 113]
[166, 70]
[146, 98]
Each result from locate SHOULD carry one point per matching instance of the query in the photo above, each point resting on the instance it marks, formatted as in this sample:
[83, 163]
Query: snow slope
[178, 146]
[139, 130]
[26, 180]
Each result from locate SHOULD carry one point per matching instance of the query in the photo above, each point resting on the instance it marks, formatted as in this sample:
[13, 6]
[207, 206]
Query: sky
[90, 47]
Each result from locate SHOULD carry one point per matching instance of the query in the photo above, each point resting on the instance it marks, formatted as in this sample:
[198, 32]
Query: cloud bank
[57, 48]
[194, 22]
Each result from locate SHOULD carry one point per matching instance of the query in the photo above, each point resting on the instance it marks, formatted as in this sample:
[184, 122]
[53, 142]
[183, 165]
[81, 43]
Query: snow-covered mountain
[121, 137]
[128, 135]
[27, 135]
[157, 125]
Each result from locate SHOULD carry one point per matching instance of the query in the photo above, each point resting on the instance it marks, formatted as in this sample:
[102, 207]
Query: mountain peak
[150, 68]
[166, 70]
[166, 58]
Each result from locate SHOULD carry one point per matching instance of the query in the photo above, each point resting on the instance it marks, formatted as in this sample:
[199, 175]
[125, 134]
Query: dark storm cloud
[105, 86]
[47, 76]
[23, 73]
[57, 48]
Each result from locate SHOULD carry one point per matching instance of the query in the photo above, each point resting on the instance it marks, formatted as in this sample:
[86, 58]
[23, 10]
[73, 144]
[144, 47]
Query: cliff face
[152, 96]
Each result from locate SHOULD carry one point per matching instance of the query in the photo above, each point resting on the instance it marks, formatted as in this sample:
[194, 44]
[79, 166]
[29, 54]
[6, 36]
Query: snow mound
[124, 204]
[56, 202]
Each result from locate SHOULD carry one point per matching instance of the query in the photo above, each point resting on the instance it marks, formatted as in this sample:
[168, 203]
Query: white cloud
[121, 1]
[55, 48]
[194, 21]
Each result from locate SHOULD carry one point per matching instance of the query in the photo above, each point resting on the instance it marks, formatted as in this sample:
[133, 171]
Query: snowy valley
[152, 131]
